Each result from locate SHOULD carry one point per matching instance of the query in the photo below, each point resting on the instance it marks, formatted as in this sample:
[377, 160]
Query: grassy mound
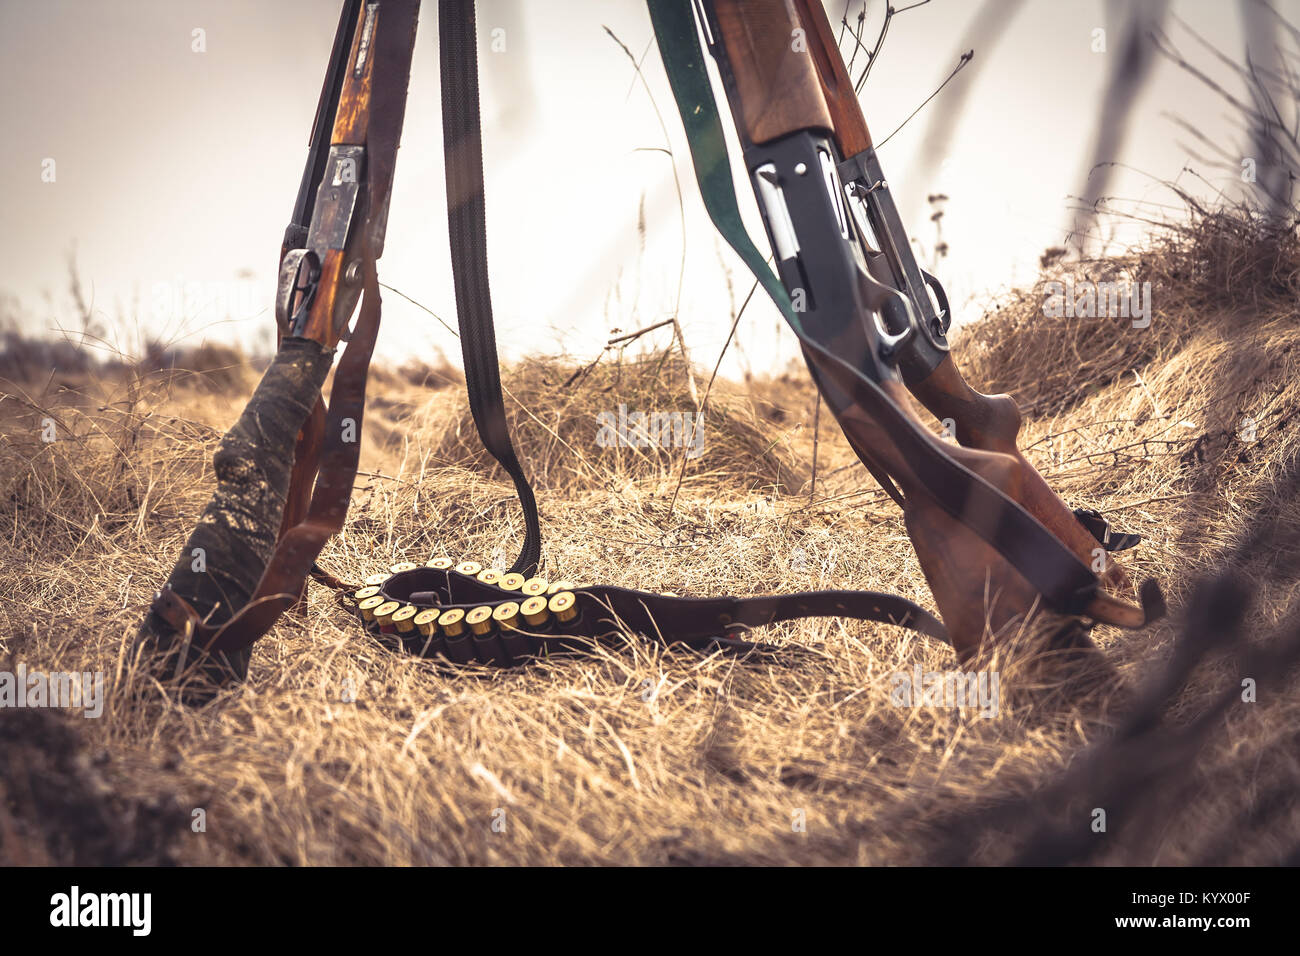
[576, 427]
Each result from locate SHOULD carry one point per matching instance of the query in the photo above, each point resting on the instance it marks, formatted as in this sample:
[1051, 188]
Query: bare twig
[681, 209]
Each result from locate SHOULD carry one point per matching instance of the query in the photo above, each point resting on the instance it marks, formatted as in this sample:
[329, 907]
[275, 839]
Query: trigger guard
[933, 283]
[291, 270]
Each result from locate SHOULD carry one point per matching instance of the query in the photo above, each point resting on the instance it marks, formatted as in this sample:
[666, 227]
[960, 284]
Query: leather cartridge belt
[467, 613]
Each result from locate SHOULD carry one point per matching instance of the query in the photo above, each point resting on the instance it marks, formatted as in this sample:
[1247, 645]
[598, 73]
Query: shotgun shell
[401, 566]
[506, 615]
[516, 646]
[479, 620]
[510, 582]
[564, 606]
[459, 650]
[377, 579]
[404, 619]
[535, 586]
[452, 622]
[491, 650]
[489, 575]
[441, 563]
[368, 605]
[430, 641]
[426, 622]
[534, 611]
[370, 590]
[384, 613]
[457, 644]
[559, 586]
[487, 646]
[469, 568]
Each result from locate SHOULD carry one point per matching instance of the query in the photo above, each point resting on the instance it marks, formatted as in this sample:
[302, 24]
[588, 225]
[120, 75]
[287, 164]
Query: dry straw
[337, 751]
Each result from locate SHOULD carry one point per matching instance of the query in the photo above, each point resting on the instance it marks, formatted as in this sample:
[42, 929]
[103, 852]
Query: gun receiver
[320, 268]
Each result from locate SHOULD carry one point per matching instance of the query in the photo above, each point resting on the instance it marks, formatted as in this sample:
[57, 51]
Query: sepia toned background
[177, 156]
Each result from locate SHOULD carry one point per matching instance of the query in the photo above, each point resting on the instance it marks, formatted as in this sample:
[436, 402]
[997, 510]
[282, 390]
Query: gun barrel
[318, 147]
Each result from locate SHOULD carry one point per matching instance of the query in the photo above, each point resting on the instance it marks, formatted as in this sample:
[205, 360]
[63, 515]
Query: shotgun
[991, 536]
[288, 463]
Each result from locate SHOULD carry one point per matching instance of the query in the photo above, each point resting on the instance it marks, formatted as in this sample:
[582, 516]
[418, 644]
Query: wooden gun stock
[992, 423]
[848, 125]
[777, 87]
[786, 81]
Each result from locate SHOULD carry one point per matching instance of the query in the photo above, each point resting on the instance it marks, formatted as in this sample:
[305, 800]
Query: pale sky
[178, 168]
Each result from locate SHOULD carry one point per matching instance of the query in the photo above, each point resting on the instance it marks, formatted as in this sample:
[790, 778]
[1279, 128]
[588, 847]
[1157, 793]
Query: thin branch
[890, 13]
[965, 58]
[817, 421]
[857, 34]
[708, 389]
[681, 209]
[419, 305]
[629, 336]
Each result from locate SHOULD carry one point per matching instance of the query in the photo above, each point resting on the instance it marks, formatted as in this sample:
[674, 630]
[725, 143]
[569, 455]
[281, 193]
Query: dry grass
[646, 755]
